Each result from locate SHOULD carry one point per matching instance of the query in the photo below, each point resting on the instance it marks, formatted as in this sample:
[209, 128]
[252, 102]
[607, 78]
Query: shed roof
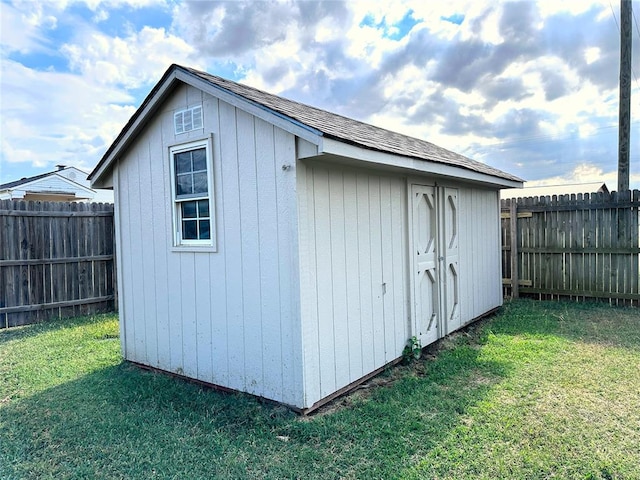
[320, 122]
[353, 131]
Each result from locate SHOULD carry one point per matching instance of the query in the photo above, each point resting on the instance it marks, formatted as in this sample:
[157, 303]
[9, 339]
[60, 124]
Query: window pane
[184, 185]
[183, 162]
[188, 124]
[177, 118]
[190, 229]
[197, 117]
[189, 209]
[199, 159]
[200, 183]
[204, 230]
[203, 208]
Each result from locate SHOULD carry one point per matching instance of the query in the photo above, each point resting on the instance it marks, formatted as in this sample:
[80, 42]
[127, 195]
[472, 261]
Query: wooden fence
[578, 246]
[56, 260]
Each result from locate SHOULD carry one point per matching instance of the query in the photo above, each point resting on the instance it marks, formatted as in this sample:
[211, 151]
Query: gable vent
[187, 120]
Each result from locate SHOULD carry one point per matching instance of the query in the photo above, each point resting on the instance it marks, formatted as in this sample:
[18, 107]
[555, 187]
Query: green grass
[542, 390]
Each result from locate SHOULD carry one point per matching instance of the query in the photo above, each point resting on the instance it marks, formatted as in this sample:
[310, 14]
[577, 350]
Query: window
[192, 194]
[187, 120]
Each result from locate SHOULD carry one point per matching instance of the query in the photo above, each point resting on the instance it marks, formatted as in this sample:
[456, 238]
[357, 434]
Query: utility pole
[624, 118]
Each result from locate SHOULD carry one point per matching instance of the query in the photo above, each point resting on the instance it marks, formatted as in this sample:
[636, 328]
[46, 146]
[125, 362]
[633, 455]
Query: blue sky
[528, 87]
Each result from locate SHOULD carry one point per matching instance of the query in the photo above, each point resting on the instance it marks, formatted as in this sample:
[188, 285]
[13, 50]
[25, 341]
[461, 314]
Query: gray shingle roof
[352, 131]
[22, 181]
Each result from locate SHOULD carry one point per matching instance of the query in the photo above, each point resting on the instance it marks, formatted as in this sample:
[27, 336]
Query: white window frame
[178, 241]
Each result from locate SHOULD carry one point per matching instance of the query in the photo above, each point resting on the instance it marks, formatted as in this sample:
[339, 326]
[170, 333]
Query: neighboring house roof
[314, 120]
[50, 183]
[550, 190]
[24, 181]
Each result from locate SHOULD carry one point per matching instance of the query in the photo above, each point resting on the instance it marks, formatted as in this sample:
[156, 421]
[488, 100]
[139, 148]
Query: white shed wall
[355, 269]
[479, 250]
[228, 317]
[353, 264]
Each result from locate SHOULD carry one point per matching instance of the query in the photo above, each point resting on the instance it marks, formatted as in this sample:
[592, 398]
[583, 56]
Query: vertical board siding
[56, 260]
[122, 194]
[310, 334]
[150, 300]
[161, 214]
[223, 316]
[479, 253]
[355, 292]
[364, 273]
[217, 263]
[188, 314]
[250, 238]
[338, 281]
[270, 342]
[324, 272]
[575, 246]
[231, 230]
[400, 261]
[288, 264]
[387, 286]
[352, 269]
[376, 250]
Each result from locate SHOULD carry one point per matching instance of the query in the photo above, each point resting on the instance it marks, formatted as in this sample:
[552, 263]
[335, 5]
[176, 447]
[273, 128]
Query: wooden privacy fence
[573, 246]
[56, 259]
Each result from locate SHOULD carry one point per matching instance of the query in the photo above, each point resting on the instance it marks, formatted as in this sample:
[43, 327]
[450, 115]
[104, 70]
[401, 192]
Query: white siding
[479, 250]
[54, 184]
[353, 267]
[228, 317]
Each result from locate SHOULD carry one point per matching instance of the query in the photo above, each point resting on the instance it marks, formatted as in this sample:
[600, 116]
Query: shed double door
[434, 235]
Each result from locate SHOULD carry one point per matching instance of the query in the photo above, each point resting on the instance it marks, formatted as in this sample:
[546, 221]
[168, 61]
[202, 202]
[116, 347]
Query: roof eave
[333, 147]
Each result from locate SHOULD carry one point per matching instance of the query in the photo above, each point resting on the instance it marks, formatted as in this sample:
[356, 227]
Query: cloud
[227, 29]
[586, 173]
[525, 86]
[53, 117]
[24, 31]
[70, 115]
[136, 60]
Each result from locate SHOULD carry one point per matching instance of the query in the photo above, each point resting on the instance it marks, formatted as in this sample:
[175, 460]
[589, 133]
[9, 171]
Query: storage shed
[278, 249]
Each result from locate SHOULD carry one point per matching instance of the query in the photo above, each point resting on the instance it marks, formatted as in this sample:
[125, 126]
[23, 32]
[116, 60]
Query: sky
[528, 87]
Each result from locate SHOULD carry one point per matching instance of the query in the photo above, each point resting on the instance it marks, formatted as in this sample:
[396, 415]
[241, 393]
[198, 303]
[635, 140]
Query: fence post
[513, 225]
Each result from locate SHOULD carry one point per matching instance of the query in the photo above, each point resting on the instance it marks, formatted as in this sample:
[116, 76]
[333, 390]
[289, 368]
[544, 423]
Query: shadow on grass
[122, 422]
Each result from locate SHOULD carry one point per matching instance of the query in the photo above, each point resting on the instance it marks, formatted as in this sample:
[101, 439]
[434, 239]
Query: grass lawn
[542, 390]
